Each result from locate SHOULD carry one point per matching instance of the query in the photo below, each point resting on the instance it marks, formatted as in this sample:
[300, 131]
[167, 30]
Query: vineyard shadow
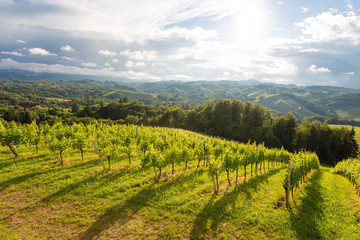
[308, 215]
[60, 170]
[93, 179]
[216, 212]
[17, 161]
[124, 212]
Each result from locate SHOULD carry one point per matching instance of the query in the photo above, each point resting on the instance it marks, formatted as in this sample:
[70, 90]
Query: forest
[230, 119]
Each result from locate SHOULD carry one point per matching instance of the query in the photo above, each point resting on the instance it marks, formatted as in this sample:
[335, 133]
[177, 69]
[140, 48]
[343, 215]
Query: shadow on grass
[307, 217]
[67, 189]
[216, 212]
[60, 170]
[103, 177]
[22, 178]
[124, 212]
[16, 161]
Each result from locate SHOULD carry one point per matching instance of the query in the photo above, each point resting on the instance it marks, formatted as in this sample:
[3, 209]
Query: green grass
[357, 130]
[130, 94]
[42, 200]
[348, 112]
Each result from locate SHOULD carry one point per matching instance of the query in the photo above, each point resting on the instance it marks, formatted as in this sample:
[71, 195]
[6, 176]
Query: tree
[75, 107]
[284, 128]
[222, 116]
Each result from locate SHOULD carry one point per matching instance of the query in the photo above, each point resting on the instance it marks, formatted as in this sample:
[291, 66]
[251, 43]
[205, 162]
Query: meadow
[41, 199]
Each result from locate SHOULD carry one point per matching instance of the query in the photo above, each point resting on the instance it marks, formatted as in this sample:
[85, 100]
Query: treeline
[230, 119]
[335, 121]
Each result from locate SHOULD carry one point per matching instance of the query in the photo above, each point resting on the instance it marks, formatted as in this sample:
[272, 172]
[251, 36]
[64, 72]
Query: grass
[348, 112]
[357, 130]
[130, 94]
[42, 200]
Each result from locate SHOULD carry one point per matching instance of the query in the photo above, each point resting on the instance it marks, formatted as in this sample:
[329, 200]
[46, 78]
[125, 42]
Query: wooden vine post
[213, 178]
[14, 150]
[156, 176]
[288, 187]
[97, 150]
[48, 143]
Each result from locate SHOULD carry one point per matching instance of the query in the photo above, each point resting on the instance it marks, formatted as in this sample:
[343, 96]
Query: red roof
[28, 106]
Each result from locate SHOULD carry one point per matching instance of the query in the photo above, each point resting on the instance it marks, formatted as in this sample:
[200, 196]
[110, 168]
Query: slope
[40, 199]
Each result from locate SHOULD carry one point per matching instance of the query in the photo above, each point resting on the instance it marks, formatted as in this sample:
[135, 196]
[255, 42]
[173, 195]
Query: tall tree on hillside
[236, 107]
[75, 107]
[284, 128]
[222, 116]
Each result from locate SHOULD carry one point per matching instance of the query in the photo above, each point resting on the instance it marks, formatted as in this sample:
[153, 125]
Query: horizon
[304, 43]
[101, 79]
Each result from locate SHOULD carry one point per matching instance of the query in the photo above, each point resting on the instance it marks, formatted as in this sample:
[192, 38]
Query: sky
[302, 42]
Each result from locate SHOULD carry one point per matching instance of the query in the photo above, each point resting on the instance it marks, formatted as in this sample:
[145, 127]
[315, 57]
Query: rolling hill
[337, 102]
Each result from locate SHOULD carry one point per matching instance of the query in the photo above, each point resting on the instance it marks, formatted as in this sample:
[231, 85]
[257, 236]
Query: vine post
[288, 187]
[97, 150]
[48, 143]
[213, 178]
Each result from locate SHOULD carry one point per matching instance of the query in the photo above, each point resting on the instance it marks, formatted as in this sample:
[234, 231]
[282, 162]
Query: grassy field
[357, 130]
[42, 200]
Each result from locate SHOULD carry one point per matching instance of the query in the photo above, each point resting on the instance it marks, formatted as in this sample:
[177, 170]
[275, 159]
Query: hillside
[301, 101]
[79, 200]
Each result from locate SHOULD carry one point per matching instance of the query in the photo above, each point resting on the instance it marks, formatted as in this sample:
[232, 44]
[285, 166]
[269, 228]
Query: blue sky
[303, 42]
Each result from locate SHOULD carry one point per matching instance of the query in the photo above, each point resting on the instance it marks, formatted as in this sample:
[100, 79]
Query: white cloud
[178, 77]
[304, 9]
[194, 34]
[12, 53]
[68, 58]
[108, 69]
[88, 64]
[116, 19]
[132, 64]
[40, 51]
[21, 41]
[107, 53]
[333, 10]
[350, 73]
[328, 27]
[67, 48]
[59, 68]
[314, 69]
[142, 55]
[107, 65]
[115, 60]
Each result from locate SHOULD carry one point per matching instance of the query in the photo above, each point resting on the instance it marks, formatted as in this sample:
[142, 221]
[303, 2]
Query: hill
[79, 200]
[303, 102]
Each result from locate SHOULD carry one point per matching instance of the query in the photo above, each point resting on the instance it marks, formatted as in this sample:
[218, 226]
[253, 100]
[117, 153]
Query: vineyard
[101, 181]
[350, 168]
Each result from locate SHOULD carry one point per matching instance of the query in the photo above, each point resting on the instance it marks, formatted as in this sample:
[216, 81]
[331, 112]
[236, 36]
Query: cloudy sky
[304, 42]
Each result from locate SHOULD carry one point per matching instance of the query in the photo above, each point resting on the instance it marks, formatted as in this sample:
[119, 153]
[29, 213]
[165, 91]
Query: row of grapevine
[349, 168]
[300, 165]
[158, 148]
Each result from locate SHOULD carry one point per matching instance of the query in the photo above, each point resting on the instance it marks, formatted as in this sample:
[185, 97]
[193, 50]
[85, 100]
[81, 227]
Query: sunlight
[248, 24]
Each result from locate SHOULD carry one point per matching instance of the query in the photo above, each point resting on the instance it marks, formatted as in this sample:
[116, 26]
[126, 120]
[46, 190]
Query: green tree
[75, 107]
[284, 128]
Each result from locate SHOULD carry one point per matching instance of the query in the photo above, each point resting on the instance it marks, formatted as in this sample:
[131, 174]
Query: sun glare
[248, 24]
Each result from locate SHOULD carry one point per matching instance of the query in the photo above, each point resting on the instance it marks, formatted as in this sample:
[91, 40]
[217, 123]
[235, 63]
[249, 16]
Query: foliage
[350, 168]
[301, 164]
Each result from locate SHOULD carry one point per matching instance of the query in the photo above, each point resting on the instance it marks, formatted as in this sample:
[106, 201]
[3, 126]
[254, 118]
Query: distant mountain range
[336, 102]
[302, 101]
